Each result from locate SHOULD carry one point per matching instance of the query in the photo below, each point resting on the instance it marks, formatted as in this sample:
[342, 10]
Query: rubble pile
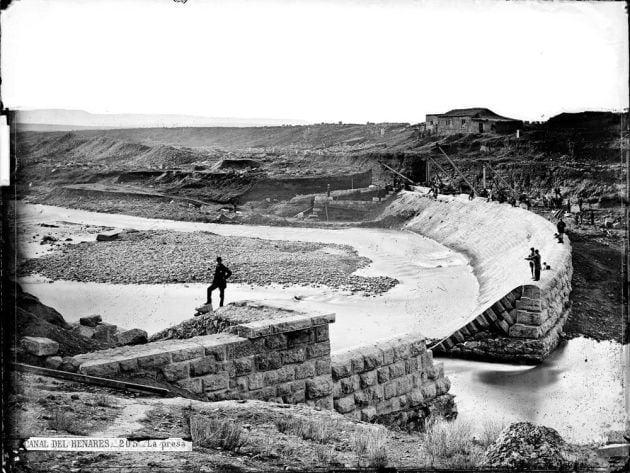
[160, 257]
[524, 445]
[220, 320]
[93, 327]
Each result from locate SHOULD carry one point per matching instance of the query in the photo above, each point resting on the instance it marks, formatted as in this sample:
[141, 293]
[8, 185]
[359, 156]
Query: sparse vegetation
[67, 422]
[284, 425]
[452, 443]
[370, 448]
[490, 432]
[103, 400]
[220, 434]
[324, 455]
[306, 429]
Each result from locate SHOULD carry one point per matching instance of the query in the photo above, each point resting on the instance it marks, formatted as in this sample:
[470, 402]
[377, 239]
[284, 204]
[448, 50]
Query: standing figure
[221, 274]
[537, 265]
[530, 258]
[561, 226]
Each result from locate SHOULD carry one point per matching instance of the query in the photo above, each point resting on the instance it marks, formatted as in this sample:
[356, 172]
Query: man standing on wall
[531, 258]
[537, 265]
[221, 275]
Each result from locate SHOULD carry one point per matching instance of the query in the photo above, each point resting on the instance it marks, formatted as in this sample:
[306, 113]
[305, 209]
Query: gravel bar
[159, 257]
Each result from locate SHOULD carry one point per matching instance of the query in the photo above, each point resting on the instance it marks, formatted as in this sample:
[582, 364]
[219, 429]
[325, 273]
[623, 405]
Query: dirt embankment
[167, 257]
[597, 284]
[238, 436]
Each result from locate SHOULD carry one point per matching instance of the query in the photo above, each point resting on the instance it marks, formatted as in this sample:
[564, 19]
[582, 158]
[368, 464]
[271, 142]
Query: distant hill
[68, 120]
[313, 137]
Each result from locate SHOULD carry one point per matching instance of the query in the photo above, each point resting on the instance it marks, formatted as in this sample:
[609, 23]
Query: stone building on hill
[470, 120]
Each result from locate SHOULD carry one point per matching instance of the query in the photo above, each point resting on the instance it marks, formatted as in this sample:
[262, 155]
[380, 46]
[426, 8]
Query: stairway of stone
[500, 317]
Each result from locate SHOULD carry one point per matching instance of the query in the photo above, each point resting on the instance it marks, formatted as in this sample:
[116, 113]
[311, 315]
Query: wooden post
[458, 171]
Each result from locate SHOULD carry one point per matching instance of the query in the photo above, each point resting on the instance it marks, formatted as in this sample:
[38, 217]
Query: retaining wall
[515, 318]
[286, 358]
[394, 382]
[287, 361]
[285, 188]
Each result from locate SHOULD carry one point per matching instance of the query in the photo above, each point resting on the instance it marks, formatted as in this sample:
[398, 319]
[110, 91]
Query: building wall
[436, 124]
[450, 125]
[431, 124]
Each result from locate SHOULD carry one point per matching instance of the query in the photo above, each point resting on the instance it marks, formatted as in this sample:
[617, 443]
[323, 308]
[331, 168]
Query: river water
[434, 280]
[577, 390]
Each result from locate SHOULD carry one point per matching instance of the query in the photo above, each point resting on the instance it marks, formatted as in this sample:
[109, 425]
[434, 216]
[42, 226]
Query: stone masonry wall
[394, 382]
[286, 360]
[516, 319]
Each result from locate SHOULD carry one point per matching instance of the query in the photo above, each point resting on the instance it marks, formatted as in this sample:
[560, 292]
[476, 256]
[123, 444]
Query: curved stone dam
[390, 376]
[516, 318]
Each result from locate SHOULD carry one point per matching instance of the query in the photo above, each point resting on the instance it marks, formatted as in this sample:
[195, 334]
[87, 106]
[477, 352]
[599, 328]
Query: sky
[320, 61]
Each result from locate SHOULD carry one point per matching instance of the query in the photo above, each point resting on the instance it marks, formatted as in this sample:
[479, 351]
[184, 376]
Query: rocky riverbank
[156, 257]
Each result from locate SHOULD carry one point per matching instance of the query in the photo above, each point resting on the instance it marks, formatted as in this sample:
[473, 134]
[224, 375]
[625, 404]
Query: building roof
[479, 113]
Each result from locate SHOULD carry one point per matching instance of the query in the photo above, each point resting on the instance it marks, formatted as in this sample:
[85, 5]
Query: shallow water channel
[577, 390]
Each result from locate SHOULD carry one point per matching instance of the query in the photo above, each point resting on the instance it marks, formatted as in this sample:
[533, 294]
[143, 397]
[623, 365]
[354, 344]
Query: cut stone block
[531, 318]
[105, 332]
[85, 331]
[524, 331]
[368, 414]
[482, 321]
[345, 404]
[503, 326]
[319, 387]
[91, 320]
[525, 303]
[54, 362]
[40, 346]
[135, 336]
[459, 337]
[100, 369]
[490, 314]
[108, 236]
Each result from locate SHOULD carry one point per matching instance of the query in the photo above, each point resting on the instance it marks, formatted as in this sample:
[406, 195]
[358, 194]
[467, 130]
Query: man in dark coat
[561, 226]
[221, 274]
[537, 266]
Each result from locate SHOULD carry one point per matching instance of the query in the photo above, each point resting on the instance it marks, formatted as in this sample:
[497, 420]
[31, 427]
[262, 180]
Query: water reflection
[577, 390]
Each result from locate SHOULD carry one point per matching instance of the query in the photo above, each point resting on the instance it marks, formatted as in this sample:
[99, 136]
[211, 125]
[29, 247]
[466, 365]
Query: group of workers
[535, 264]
